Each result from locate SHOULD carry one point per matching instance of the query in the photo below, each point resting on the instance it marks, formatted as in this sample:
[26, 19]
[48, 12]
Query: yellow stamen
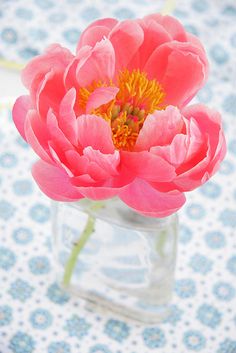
[137, 97]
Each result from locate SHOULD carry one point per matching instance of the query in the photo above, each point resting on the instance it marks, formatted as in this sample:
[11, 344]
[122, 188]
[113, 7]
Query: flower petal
[148, 166]
[37, 135]
[154, 36]
[172, 26]
[126, 38]
[182, 70]
[98, 66]
[100, 96]
[96, 32]
[19, 112]
[67, 118]
[148, 201]
[108, 162]
[55, 57]
[159, 128]
[95, 132]
[50, 93]
[55, 182]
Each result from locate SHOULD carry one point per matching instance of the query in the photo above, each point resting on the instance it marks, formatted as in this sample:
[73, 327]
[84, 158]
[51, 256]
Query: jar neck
[115, 211]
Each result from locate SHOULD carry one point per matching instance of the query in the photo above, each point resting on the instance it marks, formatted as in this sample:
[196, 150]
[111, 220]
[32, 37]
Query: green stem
[78, 247]
[161, 242]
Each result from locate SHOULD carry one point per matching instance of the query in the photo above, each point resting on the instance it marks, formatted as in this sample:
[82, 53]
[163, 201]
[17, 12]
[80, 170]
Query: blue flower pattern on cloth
[76, 326]
[36, 315]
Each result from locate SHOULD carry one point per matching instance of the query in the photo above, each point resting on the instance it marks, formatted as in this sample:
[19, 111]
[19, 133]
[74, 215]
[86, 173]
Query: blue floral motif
[215, 239]
[37, 34]
[22, 143]
[20, 290]
[200, 264]
[117, 330]
[154, 337]
[22, 187]
[232, 146]
[57, 17]
[28, 53]
[72, 35]
[219, 54]
[205, 94]
[22, 343]
[9, 35]
[229, 104]
[39, 265]
[22, 235]
[90, 13]
[6, 210]
[45, 4]
[231, 265]
[8, 160]
[5, 315]
[41, 319]
[40, 213]
[209, 315]
[200, 6]
[59, 347]
[226, 167]
[228, 217]
[211, 190]
[194, 340]
[185, 234]
[185, 288]
[56, 295]
[77, 327]
[227, 346]
[224, 291]
[195, 211]
[175, 315]
[23, 13]
[124, 13]
[7, 258]
[99, 348]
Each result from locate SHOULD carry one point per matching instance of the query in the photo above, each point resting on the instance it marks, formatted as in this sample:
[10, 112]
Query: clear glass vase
[112, 256]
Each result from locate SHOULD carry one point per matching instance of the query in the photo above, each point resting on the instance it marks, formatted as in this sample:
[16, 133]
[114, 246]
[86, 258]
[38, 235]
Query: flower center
[137, 97]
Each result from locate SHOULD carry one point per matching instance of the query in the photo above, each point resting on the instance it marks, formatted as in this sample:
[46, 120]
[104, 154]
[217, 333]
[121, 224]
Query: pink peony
[112, 120]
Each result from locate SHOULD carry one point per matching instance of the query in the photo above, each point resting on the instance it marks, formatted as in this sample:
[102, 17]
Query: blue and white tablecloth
[35, 316]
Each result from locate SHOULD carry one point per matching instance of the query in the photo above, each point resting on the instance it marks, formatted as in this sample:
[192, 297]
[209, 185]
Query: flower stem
[78, 247]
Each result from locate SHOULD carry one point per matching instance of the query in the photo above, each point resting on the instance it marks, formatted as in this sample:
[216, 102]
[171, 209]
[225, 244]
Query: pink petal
[149, 201]
[98, 193]
[159, 128]
[126, 38]
[56, 134]
[54, 182]
[67, 118]
[55, 57]
[175, 153]
[78, 164]
[208, 158]
[154, 36]
[37, 135]
[100, 65]
[107, 162]
[50, 93]
[182, 70]
[172, 26]
[95, 132]
[96, 32]
[19, 112]
[148, 166]
[100, 96]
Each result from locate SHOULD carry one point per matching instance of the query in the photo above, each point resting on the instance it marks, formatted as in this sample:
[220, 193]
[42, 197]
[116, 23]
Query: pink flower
[112, 120]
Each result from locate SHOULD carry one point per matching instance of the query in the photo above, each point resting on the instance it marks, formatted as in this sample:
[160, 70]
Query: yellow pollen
[137, 97]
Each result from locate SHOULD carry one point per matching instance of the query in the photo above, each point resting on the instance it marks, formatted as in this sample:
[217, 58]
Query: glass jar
[112, 256]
